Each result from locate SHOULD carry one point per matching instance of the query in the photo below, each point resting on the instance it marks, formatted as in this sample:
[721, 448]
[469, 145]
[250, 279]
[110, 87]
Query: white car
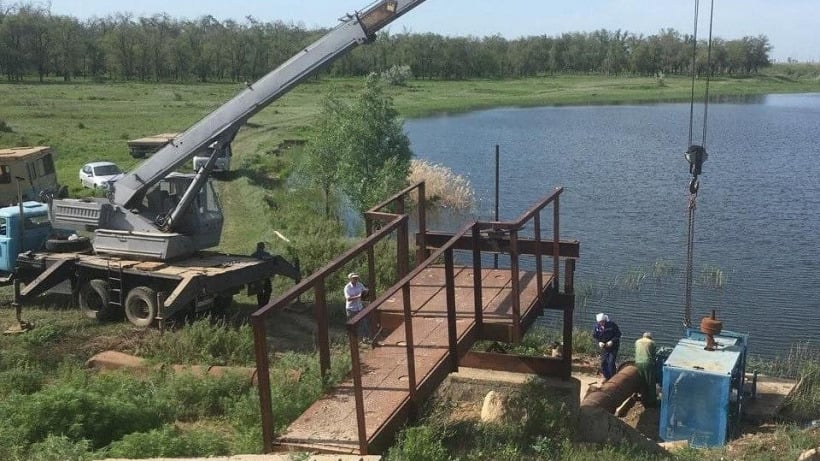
[99, 175]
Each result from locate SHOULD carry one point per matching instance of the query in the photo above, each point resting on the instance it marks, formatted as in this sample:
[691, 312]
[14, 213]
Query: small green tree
[362, 146]
[376, 150]
[322, 158]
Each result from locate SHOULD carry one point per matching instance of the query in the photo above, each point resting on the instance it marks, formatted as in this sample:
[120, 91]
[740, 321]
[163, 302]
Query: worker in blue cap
[608, 335]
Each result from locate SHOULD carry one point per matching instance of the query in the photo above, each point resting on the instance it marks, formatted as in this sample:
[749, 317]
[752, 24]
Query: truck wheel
[94, 300]
[141, 306]
[222, 304]
[68, 246]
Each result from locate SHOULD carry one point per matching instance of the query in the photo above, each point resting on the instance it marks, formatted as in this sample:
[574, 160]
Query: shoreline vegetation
[42, 379]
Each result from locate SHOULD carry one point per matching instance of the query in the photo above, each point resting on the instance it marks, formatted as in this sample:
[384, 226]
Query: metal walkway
[330, 424]
[432, 315]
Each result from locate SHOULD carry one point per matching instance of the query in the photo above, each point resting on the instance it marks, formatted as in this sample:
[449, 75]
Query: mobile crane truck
[149, 254]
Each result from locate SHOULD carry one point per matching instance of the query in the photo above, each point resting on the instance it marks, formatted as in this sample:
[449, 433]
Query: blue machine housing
[35, 229]
[703, 390]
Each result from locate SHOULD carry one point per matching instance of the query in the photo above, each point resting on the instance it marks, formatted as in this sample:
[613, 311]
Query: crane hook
[695, 155]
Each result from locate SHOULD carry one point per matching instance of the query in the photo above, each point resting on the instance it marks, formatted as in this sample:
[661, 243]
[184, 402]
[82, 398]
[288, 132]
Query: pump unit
[703, 389]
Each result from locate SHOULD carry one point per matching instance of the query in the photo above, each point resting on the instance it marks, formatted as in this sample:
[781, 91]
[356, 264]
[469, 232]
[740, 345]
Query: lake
[757, 230]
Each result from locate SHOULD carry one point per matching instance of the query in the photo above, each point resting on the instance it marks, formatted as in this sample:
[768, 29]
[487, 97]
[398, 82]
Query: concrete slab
[771, 395]
[272, 457]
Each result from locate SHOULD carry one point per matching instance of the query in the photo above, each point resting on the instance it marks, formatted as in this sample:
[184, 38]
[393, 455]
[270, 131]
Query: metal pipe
[615, 391]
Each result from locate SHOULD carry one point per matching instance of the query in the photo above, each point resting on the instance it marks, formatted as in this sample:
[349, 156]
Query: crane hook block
[695, 155]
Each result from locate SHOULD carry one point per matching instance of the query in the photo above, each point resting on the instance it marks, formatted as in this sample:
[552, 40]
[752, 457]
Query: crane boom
[155, 213]
[218, 128]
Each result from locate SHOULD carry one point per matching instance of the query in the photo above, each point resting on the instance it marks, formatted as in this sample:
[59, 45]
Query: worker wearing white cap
[608, 335]
[354, 290]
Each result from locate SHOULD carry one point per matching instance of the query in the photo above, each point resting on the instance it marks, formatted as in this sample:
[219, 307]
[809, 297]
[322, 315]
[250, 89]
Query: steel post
[421, 251]
[555, 239]
[263, 376]
[408, 337]
[449, 284]
[515, 283]
[322, 326]
[479, 303]
[358, 392]
[539, 264]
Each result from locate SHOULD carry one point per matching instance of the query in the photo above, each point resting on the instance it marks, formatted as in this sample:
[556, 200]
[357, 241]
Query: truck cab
[34, 227]
[33, 167]
[223, 160]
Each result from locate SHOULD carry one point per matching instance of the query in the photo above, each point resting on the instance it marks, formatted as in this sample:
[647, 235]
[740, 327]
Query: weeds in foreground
[202, 342]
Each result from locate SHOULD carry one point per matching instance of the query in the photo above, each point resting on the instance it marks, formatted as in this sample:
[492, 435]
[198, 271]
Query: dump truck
[150, 253]
[142, 147]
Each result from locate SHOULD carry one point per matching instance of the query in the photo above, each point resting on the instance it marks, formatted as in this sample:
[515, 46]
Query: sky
[793, 26]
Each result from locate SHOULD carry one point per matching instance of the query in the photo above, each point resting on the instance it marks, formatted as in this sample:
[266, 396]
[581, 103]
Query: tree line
[35, 42]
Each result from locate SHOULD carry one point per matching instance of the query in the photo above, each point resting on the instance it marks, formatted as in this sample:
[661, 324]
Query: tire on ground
[221, 304]
[141, 306]
[68, 246]
[94, 300]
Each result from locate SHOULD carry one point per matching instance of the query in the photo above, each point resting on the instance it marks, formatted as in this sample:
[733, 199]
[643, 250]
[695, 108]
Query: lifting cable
[695, 155]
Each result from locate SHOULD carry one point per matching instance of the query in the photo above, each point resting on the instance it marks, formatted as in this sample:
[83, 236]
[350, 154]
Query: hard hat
[352, 275]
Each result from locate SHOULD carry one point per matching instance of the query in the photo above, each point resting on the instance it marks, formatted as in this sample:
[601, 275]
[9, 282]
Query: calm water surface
[625, 199]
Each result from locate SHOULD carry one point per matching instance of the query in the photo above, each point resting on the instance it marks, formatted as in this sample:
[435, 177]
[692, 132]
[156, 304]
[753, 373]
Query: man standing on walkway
[645, 353]
[354, 291]
[608, 335]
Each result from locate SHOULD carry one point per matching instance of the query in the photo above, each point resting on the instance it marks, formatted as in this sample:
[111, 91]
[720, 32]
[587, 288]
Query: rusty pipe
[615, 391]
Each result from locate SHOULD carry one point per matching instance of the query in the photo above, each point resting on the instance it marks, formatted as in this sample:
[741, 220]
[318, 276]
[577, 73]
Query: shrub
[442, 186]
[4, 127]
[422, 443]
[60, 448]
[196, 397]
[397, 75]
[202, 342]
[79, 414]
[24, 380]
[169, 441]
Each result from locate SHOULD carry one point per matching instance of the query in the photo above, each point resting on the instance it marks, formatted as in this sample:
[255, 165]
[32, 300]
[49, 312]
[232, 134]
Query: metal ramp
[330, 424]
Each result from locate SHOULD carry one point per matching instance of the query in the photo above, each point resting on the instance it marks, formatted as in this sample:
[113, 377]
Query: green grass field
[41, 370]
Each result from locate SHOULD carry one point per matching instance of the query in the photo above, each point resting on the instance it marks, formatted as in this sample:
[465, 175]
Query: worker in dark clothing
[608, 335]
[263, 287]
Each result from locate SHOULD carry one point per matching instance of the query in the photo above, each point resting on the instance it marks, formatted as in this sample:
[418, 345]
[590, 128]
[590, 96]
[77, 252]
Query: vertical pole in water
[495, 217]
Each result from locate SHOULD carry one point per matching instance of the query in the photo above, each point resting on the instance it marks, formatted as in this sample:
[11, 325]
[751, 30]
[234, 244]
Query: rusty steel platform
[330, 424]
[428, 299]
